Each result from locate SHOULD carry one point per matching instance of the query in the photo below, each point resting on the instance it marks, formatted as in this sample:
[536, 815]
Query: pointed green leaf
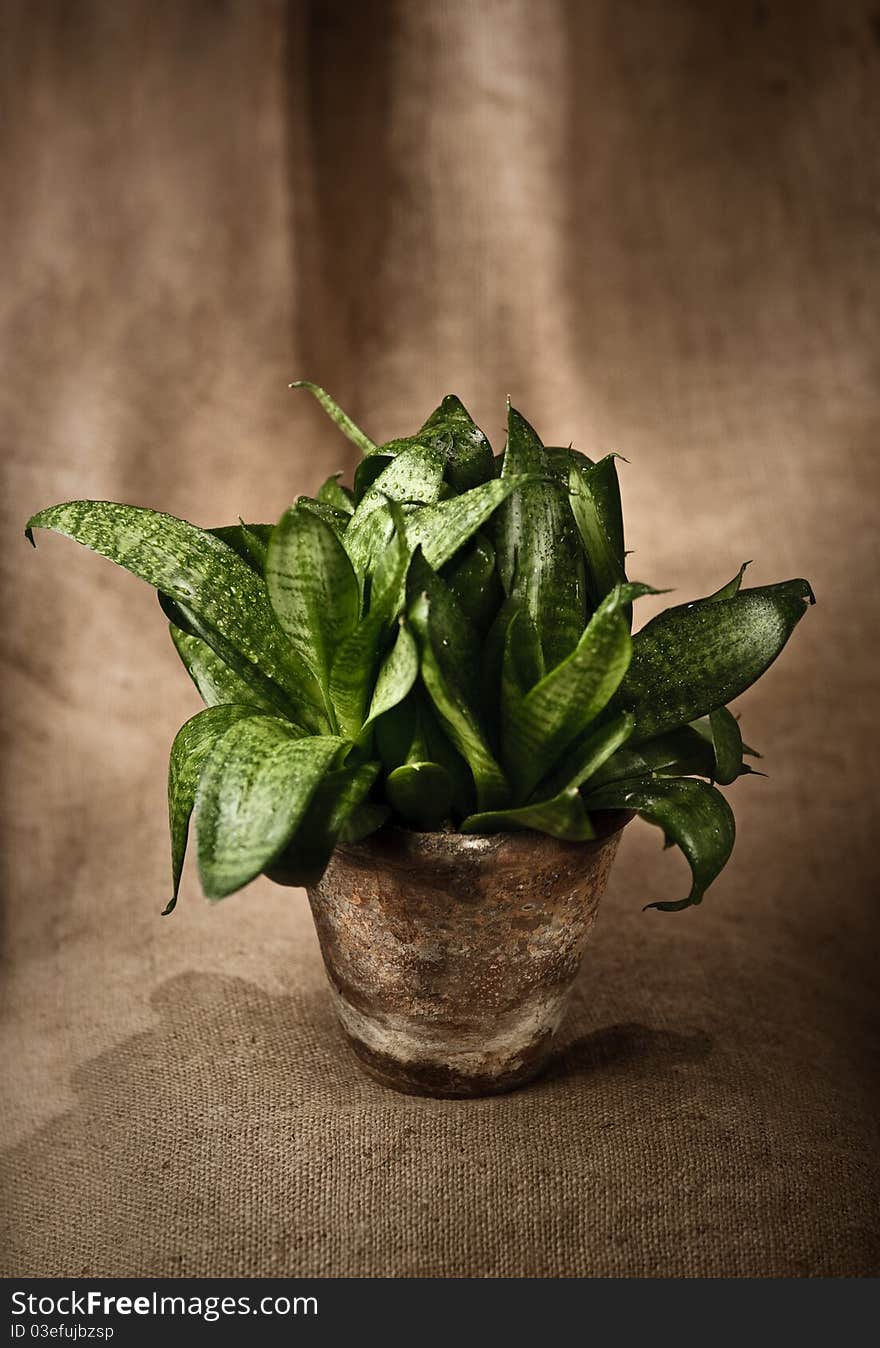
[677, 753]
[440, 530]
[415, 475]
[192, 567]
[722, 731]
[559, 709]
[690, 660]
[421, 793]
[562, 817]
[692, 814]
[333, 494]
[540, 558]
[243, 672]
[250, 541]
[313, 589]
[337, 519]
[473, 579]
[189, 752]
[595, 504]
[449, 676]
[336, 414]
[217, 683]
[468, 452]
[336, 797]
[253, 791]
[397, 674]
[587, 755]
[730, 589]
[356, 661]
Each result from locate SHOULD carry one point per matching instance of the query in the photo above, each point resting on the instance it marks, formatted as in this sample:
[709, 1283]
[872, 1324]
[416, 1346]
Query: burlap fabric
[655, 226]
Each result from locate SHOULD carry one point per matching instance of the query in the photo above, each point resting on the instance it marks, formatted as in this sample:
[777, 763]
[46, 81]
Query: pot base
[440, 1082]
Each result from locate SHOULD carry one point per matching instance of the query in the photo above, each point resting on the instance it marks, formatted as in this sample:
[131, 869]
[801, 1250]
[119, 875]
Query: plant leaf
[356, 660]
[335, 412]
[595, 504]
[262, 688]
[567, 699]
[440, 530]
[730, 589]
[337, 519]
[253, 791]
[313, 589]
[722, 731]
[363, 821]
[473, 580]
[414, 475]
[690, 660]
[587, 755]
[540, 558]
[397, 674]
[448, 673]
[189, 752]
[692, 814]
[333, 494]
[677, 753]
[421, 793]
[192, 567]
[336, 797]
[217, 683]
[469, 454]
[248, 540]
[562, 817]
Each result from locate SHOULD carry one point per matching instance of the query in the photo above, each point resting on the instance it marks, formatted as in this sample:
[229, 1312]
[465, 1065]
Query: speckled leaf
[333, 494]
[540, 557]
[253, 791]
[690, 660]
[563, 817]
[677, 753]
[356, 661]
[473, 579]
[449, 675]
[216, 682]
[441, 530]
[313, 589]
[415, 475]
[587, 755]
[250, 541]
[337, 796]
[468, 452]
[336, 414]
[722, 731]
[397, 674]
[692, 815]
[556, 712]
[337, 519]
[262, 688]
[595, 504]
[189, 752]
[192, 567]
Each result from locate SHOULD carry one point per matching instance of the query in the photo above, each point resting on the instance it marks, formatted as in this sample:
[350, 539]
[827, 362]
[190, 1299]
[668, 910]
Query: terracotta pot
[450, 958]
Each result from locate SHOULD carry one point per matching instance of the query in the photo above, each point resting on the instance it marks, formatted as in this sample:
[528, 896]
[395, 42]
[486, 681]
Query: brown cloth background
[657, 226]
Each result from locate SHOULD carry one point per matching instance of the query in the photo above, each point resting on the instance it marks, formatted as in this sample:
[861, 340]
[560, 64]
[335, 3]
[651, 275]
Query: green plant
[446, 645]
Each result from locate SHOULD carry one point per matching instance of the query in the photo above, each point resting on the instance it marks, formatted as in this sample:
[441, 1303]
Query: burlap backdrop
[655, 225]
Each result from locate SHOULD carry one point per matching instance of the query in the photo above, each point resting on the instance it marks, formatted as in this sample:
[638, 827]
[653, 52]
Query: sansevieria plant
[445, 646]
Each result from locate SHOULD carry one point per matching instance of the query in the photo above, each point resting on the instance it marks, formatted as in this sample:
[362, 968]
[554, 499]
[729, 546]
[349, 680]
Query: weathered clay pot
[451, 958]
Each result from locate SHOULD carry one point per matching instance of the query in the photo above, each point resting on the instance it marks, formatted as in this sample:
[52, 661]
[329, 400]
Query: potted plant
[424, 703]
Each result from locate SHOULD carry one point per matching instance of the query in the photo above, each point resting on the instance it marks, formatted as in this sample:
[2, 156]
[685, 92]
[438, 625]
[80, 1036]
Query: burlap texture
[654, 225]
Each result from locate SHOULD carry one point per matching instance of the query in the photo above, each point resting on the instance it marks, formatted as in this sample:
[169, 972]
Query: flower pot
[451, 959]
